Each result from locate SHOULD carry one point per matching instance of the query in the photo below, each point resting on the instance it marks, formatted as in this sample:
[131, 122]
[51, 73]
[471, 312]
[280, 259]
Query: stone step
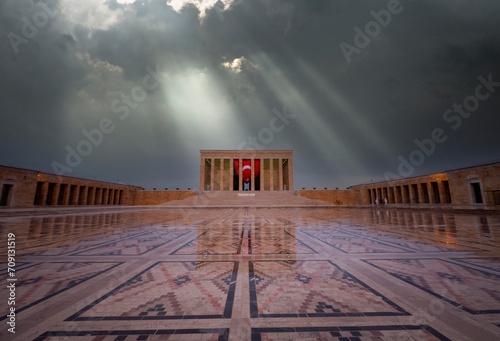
[247, 199]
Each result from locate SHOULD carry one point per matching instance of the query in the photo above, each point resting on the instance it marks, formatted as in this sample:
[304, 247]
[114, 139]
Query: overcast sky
[131, 91]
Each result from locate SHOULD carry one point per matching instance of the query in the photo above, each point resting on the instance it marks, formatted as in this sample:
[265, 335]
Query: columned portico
[246, 170]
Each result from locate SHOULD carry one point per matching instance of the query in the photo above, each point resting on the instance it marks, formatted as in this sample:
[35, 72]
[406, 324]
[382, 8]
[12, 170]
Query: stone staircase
[246, 199]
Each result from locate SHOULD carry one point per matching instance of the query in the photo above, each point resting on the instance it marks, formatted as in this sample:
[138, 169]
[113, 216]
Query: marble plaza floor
[252, 274]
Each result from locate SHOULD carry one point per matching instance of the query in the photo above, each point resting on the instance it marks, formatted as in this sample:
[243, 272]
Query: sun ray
[329, 146]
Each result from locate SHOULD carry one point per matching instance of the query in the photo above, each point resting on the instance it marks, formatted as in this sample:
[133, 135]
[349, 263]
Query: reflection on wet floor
[234, 272]
[55, 231]
[444, 229]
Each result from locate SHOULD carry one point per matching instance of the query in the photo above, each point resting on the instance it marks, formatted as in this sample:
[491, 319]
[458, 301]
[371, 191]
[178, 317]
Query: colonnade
[433, 192]
[52, 193]
[269, 171]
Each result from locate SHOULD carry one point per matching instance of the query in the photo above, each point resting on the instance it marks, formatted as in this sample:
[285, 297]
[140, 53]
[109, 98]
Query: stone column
[44, 191]
[432, 194]
[212, 174]
[117, 194]
[66, 195]
[76, 195]
[98, 193]
[442, 192]
[421, 198]
[94, 196]
[111, 196]
[202, 174]
[390, 197]
[221, 175]
[290, 174]
[271, 174]
[105, 196]
[252, 176]
[231, 174]
[55, 194]
[280, 174]
[262, 174]
[84, 196]
[240, 175]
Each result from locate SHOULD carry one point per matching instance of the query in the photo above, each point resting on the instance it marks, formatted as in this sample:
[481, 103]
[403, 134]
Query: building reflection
[439, 228]
[257, 234]
[450, 228]
[42, 233]
[249, 235]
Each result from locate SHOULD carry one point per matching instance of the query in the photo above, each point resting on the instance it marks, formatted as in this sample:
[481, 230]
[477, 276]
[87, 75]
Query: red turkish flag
[247, 169]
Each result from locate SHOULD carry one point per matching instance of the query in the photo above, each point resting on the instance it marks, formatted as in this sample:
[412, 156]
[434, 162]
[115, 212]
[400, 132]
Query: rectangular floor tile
[169, 290]
[41, 281]
[312, 289]
[475, 291]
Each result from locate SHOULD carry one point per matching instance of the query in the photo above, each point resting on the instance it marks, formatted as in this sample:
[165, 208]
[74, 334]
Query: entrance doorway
[6, 194]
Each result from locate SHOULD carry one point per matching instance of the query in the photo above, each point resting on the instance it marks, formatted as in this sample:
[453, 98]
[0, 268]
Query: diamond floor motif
[252, 274]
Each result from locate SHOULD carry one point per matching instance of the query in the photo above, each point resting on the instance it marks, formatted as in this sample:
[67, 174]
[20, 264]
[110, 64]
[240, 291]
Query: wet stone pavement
[252, 274]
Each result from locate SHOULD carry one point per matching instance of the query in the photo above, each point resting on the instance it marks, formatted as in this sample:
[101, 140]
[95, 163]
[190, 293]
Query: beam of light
[347, 111]
[200, 109]
[315, 128]
[240, 71]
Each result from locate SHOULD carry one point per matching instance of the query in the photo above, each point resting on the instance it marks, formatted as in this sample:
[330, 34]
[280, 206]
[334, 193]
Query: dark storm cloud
[353, 120]
[36, 77]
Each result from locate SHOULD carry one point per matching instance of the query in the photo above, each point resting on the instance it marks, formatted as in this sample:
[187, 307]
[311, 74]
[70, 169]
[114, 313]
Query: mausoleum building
[246, 170]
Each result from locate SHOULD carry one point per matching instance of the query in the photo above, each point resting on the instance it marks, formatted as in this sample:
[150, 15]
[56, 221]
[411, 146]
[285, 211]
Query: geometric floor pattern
[252, 274]
[473, 290]
[354, 244]
[132, 246]
[149, 335]
[313, 289]
[42, 281]
[159, 293]
[349, 333]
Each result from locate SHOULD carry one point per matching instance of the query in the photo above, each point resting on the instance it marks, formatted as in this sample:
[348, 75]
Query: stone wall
[345, 197]
[76, 191]
[18, 186]
[476, 186]
[467, 188]
[159, 197]
[419, 190]
[24, 188]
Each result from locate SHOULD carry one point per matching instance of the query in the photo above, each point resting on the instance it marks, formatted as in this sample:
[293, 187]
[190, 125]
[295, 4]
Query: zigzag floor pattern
[253, 274]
